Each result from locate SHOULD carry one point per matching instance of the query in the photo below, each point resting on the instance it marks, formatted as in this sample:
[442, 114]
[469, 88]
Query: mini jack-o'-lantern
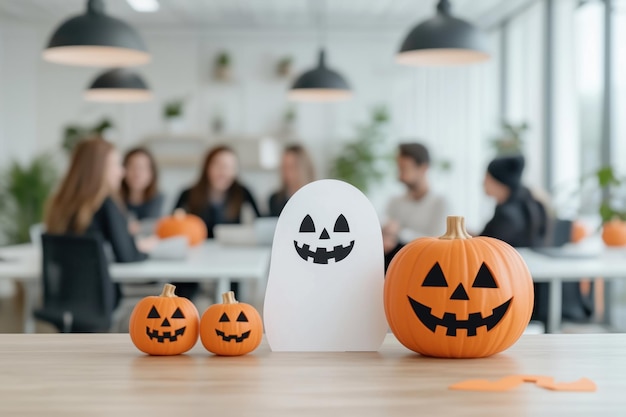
[231, 328]
[164, 324]
[457, 296]
[614, 233]
[317, 246]
[182, 224]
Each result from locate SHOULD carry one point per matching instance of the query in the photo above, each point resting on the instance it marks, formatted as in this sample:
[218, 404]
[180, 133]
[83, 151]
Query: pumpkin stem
[229, 298]
[168, 291]
[179, 214]
[455, 229]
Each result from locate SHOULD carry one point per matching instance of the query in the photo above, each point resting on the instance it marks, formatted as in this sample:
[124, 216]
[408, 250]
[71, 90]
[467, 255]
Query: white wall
[452, 110]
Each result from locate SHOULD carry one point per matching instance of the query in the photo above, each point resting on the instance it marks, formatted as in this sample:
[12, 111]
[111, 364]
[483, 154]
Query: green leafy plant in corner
[511, 140]
[609, 185]
[173, 109]
[362, 162]
[24, 189]
[76, 133]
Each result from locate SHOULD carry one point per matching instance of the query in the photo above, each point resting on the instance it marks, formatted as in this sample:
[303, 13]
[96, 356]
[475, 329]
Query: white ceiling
[254, 14]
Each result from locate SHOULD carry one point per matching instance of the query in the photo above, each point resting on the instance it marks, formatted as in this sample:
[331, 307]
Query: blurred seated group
[106, 196]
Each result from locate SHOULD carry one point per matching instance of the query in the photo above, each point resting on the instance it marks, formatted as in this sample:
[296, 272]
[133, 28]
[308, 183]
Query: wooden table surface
[102, 375]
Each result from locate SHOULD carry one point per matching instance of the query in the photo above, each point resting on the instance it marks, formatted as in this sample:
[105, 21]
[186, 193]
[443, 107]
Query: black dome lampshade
[118, 85]
[443, 40]
[320, 84]
[95, 39]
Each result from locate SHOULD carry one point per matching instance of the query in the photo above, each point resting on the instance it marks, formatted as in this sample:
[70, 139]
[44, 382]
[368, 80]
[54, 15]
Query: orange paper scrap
[513, 381]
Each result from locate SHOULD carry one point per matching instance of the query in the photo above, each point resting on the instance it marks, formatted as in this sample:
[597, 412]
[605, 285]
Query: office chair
[78, 294]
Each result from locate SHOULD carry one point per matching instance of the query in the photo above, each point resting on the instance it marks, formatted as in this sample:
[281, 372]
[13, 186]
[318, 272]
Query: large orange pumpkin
[164, 324]
[579, 231]
[457, 296]
[614, 233]
[182, 224]
[231, 328]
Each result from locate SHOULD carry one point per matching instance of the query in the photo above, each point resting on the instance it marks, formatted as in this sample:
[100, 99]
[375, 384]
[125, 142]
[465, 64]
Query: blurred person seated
[86, 202]
[217, 197]
[296, 169]
[420, 211]
[140, 189]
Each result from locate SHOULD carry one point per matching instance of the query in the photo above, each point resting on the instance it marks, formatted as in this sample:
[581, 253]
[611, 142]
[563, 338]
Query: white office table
[209, 262]
[212, 262]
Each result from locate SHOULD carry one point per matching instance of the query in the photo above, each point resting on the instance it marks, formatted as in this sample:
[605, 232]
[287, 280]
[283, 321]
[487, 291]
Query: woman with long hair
[86, 203]
[296, 171]
[217, 195]
[140, 189]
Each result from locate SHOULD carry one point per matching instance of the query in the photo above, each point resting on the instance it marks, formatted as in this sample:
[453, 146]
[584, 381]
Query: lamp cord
[95, 6]
[444, 7]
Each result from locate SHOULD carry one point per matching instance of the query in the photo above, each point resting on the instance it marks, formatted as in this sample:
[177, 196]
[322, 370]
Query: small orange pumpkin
[182, 224]
[458, 296]
[164, 324]
[614, 233]
[579, 231]
[231, 328]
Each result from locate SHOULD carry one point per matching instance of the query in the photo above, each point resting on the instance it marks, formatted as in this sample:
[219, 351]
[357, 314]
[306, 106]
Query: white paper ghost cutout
[325, 286]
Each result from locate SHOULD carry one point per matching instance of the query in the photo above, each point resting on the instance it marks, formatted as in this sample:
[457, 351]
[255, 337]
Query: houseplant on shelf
[364, 161]
[511, 139]
[173, 115]
[72, 134]
[284, 66]
[222, 66]
[24, 189]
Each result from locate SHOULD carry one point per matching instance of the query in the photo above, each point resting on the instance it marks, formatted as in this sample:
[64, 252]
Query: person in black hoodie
[519, 219]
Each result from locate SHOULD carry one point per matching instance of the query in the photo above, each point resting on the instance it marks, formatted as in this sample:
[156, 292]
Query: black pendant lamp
[118, 85]
[95, 39]
[320, 84]
[443, 40]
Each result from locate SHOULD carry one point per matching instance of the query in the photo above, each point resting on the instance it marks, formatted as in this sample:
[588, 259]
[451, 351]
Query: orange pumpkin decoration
[458, 296]
[182, 224]
[231, 328]
[579, 232]
[614, 233]
[164, 324]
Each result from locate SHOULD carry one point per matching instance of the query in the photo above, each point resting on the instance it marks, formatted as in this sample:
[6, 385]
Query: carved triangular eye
[341, 225]
[178, 314]
[242, 317]
[435, 277]
[307, 225]
[224, 318]
[484, 278]
[154, 314]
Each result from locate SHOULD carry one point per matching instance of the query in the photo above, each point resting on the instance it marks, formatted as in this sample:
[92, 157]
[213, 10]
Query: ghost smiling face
[317, 245]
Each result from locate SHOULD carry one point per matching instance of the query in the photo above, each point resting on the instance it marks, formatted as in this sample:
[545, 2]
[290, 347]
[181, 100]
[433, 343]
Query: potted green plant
[283, 67]
[24, 189]
[72, 134]
[364, 162]
[222, 66]
[173, 115]
[511, 139]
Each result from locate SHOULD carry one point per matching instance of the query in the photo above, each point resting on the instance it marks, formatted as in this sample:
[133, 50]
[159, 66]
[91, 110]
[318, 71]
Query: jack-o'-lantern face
[231, 328]
[165, 329]
[164, 325]
[237, 338]
[483, 281]
[458, 296]
[317, 245]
